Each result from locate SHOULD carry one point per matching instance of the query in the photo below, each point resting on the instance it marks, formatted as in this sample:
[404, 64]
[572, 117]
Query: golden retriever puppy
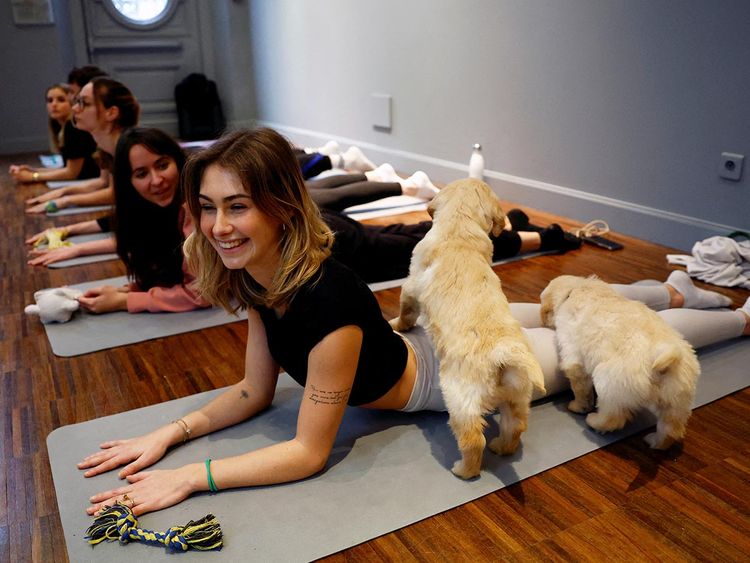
[625, 352]
[485, 360]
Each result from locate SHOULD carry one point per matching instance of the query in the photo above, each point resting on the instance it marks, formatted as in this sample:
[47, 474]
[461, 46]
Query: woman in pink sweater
[150, 225]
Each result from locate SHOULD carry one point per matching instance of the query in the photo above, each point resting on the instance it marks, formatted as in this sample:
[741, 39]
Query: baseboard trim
[656, 225]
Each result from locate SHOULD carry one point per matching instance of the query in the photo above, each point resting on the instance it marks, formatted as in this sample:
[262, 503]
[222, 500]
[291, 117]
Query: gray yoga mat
[75, 210]
[55, 184]
[78, 239]
[387, 470]
[86, 332]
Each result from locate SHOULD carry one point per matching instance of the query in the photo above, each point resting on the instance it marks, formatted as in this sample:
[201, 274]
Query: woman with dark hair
[150, 226]
[104, 108]
[75, 146]
[262, 246]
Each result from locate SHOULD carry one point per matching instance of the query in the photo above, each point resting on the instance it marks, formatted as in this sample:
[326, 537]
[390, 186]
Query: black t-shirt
[80, 144]
[338, 298]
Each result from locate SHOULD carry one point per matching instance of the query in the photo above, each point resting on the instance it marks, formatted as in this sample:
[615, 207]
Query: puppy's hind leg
[583, 389]
[467, 423]
[670, 427]
[514, 416]
[409, 304]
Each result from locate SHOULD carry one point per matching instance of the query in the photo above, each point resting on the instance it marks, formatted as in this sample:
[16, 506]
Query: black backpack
[198, 108]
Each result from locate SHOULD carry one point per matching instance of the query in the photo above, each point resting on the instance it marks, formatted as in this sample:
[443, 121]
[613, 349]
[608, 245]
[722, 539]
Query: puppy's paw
[580, 407]
[658, 442]
[500, 447]
[602, 423]
[461, 469]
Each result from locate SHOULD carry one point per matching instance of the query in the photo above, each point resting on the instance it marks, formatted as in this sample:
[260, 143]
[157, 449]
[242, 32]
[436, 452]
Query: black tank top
[334, 299]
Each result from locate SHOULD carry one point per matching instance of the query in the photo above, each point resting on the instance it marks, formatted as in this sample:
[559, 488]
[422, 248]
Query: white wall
[614, 109]
[31, 61]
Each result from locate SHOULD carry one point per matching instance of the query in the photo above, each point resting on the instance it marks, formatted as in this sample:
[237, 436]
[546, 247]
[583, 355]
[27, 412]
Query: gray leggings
[699, 327]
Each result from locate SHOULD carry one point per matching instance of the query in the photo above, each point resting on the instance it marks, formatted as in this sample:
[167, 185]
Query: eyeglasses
[79, 101]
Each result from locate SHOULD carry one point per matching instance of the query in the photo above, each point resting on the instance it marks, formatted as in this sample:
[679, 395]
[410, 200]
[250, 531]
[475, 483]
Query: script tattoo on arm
[323, 397]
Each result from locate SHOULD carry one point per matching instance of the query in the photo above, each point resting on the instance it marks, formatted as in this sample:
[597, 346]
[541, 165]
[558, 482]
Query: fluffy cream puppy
[625, 352]
[485, 360]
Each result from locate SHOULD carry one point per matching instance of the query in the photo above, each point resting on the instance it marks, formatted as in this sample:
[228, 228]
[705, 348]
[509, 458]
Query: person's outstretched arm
[45, 257]
[88, 186]
[238, 403]
[70, 171]
[104, 196]
[84, 227]
[331, 368]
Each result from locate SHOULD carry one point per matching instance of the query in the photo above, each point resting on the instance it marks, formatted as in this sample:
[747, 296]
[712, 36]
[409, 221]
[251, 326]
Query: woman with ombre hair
[261, 245]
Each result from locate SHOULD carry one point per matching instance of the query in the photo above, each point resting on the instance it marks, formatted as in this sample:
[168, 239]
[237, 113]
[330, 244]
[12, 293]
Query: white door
[149, 45]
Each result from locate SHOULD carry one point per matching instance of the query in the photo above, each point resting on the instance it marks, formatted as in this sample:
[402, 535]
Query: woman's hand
[18, 167]
[50, 204]
[105, 299]
[47, 196]
[34, 239]
[45, 257]
[21, 172]
[151, 490]
[138, 453]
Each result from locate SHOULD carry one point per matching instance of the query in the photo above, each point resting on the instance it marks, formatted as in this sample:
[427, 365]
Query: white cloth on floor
[718, 260]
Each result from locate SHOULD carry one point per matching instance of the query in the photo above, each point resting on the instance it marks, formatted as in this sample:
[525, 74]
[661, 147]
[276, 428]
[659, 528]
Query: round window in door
[141, 14]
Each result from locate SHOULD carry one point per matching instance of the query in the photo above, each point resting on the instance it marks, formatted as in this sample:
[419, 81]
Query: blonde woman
[75, 146]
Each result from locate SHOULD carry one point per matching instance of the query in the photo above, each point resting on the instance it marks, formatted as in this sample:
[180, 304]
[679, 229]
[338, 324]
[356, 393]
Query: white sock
[696, 298]
[419, 185]
[383, 173]
[744, 309]
[354, 159]
[331, 147]
[336, 161]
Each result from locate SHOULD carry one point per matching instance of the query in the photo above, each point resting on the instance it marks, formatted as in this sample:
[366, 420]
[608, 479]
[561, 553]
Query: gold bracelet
[35, 176]
[185, 429]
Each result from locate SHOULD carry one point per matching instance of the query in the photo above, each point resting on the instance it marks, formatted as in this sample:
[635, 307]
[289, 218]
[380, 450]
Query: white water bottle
[476, 163]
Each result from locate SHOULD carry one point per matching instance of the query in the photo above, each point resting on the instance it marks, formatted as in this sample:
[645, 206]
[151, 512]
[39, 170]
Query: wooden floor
[622, 502]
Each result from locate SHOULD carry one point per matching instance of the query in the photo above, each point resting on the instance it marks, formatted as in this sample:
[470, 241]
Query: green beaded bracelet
[211, 484]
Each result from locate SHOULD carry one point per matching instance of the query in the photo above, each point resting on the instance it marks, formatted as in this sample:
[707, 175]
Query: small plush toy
[55, 305]
[54, 239]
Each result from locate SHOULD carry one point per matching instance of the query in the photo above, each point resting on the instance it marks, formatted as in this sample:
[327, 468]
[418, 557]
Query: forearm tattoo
[323, 397]
[244, 394]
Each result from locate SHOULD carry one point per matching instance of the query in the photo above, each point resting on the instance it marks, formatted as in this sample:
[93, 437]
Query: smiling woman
[242, 235]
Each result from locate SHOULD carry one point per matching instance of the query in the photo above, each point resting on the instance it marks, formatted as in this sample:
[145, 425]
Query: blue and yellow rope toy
[119, 523]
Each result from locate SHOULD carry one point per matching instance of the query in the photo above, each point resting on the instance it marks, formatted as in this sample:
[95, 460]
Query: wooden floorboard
[620, 503]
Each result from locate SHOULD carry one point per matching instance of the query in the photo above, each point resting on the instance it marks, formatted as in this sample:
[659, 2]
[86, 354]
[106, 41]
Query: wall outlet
[730, 166]
[380, 111]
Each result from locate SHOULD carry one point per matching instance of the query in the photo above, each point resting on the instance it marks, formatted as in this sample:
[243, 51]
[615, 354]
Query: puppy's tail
[520, 357]
[676, 361]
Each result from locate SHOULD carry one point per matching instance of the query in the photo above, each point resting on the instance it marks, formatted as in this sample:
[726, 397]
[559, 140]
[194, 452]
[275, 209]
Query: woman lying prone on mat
[150, 224]
[76, 147]
[262, 243]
